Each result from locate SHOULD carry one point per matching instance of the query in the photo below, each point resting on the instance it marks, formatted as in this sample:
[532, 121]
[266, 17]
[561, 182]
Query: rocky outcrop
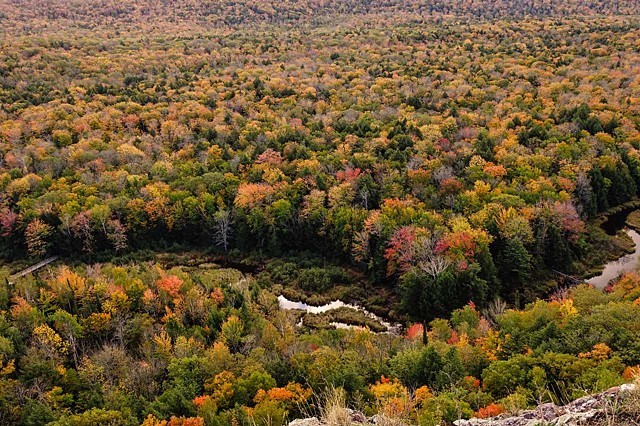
[589, 410]
[606, 408]
[352, 417]
[313, 421]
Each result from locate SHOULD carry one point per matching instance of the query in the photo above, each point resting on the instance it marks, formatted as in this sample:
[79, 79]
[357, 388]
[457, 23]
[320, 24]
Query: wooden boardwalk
[32, 268]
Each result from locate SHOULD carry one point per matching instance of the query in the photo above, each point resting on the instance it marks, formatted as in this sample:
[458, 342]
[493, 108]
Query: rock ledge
[583, 411]
[588, 410]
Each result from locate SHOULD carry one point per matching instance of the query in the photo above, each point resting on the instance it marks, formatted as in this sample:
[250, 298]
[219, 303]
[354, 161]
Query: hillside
[235, 13]
[251, 206]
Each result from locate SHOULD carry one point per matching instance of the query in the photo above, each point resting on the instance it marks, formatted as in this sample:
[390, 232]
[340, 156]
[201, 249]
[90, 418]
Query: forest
[446, 165]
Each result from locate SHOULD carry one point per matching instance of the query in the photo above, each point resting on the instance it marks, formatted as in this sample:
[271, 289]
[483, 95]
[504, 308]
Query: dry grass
[334, 411]
[631, 406]
[623, 409]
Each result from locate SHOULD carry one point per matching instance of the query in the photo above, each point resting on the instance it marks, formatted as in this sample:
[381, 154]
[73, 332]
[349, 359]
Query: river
[289, 304]
[626, 263]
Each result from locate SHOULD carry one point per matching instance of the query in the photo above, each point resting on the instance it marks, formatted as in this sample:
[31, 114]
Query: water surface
[613, 269]
[289, 305]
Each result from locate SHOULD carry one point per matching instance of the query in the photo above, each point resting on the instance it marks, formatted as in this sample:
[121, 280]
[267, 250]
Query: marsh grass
[332, 405]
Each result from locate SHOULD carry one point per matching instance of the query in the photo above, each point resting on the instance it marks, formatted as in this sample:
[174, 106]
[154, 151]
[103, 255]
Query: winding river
[613, 269]
[626, 263]
[289, 304]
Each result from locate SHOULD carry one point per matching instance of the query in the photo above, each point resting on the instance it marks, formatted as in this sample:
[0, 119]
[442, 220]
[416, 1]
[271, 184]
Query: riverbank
[633, 220]
[307, 279]
[615, 268]
[610, 249]
[337, 314]
[616, 234]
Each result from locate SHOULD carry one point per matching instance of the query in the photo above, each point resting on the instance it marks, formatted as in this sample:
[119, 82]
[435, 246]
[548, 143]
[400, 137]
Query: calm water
[626, 263]
[289, 304]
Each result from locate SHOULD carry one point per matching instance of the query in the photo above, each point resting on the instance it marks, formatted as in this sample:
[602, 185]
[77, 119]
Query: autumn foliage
[190, 161]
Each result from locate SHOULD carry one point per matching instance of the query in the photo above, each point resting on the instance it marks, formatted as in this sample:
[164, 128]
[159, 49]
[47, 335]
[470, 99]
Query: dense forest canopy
[247, 12]
[484, 146]
[427, 159]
